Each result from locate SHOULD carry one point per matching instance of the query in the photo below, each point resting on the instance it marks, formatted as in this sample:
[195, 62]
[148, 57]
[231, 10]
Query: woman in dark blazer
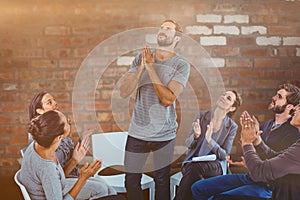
[212, 132]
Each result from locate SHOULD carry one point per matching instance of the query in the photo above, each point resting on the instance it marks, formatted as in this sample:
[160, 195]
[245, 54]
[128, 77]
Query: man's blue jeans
[230, 184]
[136, 154]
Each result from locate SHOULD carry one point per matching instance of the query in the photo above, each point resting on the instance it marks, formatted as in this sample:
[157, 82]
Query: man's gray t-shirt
[151, 121]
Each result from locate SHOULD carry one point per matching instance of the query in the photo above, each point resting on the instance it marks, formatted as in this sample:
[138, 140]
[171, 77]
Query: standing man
[158, 76]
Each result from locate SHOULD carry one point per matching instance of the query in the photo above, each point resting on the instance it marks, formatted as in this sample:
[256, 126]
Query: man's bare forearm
[129, 83]
[165, 95]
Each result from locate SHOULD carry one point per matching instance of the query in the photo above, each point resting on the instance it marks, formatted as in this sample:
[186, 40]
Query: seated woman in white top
[41, 172]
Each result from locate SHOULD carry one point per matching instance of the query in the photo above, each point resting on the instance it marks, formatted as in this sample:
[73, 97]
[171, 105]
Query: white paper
[210, 157]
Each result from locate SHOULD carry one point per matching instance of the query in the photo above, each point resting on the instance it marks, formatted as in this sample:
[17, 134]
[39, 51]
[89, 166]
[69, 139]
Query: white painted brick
[236, 19]
[9, 86]
[198, 30]
[298, 52]
[219, 62]
[231, 30]
[125, 60]
[209, 18]
[291, 41]
[213, 40]
[247, 30]
[264, 41]
[151, 38]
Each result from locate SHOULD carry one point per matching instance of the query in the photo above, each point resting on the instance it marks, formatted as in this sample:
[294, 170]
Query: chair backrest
[22, 151]
[109, 147]
[22, 187]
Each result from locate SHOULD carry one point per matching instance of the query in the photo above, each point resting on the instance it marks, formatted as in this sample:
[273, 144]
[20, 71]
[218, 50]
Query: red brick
[85, 30]
[229, 72]
[14, 63]
[12, 149]
[225, 7]
[242, 83]
[85, 116]
[251, 73]
[7, 162]
[102, 105]
[264, 19]
[70, 63]
[69, 74]
[99, 106]
[238, 62]
[95, 40]
[290, 19]
[267, 83]
[5, 119]
[58, 53]
[13, 107]
[28, 53]
[267, 62]
[9, 96]
[279, 74]
[203, 7]
[19, 140]
[106, 127]
[262, 9]
[116, 128]
[82, 52]
[254, 52]
[286, 51]
[20, 41]
[241, 41]
[225, 51]
[9, 129]
[284, 30]
[290, 62]
[259, 94]
[6, 52]
[6, 75]
[57, 30]
[44, 63]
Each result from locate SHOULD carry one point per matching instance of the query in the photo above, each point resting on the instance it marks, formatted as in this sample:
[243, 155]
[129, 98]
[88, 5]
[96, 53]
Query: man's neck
[164, 53]
[281, 118]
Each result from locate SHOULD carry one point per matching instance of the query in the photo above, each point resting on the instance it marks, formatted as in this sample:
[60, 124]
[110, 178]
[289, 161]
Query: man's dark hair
[178, 28]
[293, 96]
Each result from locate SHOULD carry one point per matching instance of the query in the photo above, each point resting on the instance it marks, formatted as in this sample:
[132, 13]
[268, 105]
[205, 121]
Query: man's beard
[279, 109]
[164, 42]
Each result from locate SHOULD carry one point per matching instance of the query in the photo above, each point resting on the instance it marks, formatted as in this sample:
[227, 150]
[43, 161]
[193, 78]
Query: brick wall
[254, 46]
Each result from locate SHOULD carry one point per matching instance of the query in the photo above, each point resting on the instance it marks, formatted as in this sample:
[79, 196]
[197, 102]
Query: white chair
[22, 151]
[110, 148]
[22, 187]
[174, 182]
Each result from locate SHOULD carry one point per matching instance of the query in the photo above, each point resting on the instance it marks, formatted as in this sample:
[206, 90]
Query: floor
[9, 189]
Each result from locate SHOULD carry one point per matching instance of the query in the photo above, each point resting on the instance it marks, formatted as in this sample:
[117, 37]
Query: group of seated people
[272, 172]
[49, 167]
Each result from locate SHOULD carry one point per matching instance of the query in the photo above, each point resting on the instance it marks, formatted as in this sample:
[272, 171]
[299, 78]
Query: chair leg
[151, 193]
[173, 190]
